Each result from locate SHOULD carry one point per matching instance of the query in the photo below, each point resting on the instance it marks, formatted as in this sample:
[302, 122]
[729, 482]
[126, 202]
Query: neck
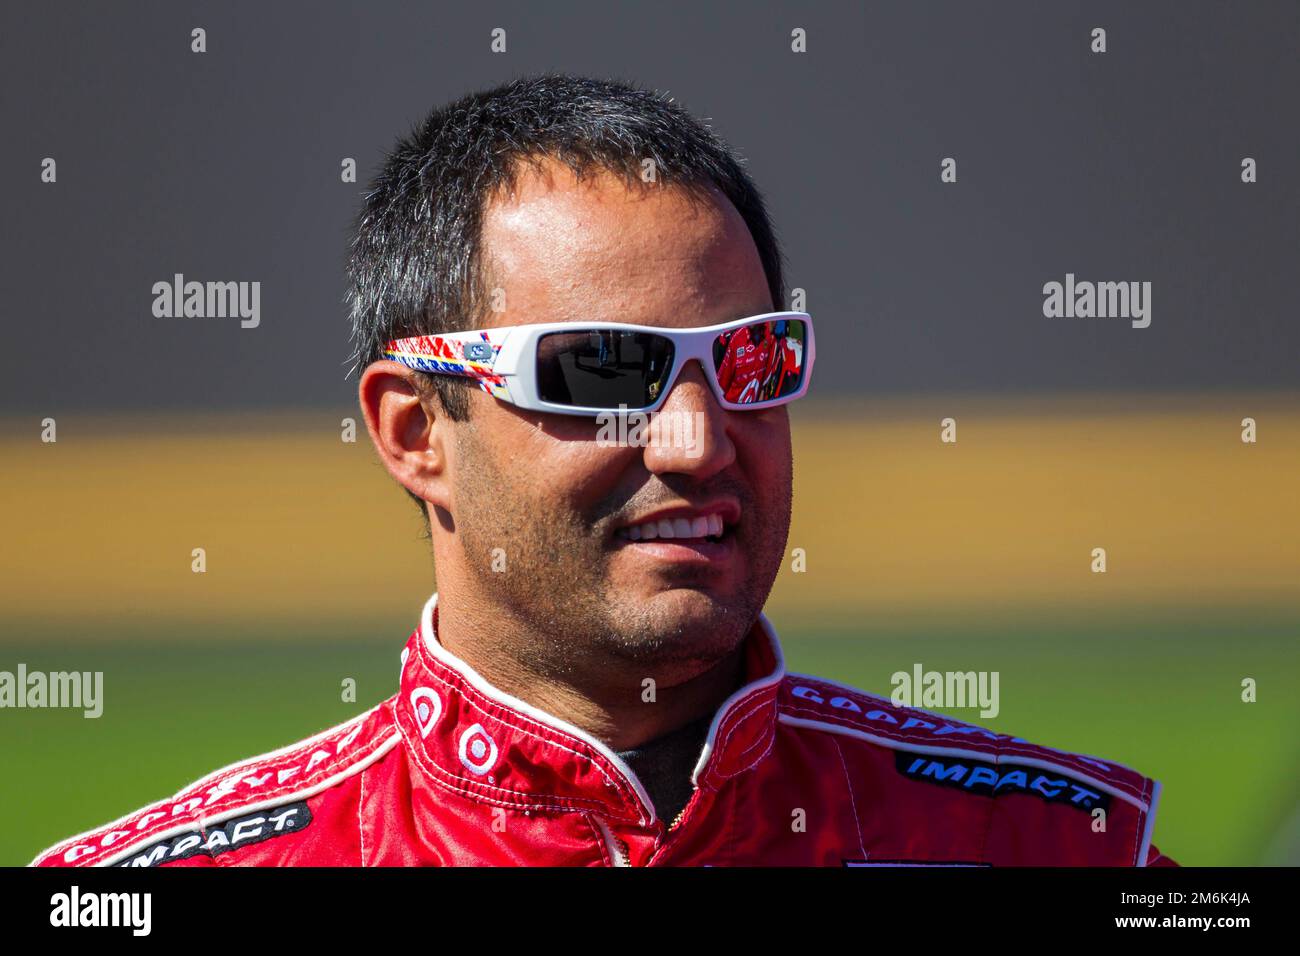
[605, 697]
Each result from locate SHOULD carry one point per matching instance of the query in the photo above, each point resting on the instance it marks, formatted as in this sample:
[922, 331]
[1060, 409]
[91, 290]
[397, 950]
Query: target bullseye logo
[478, 751]
[427, 707]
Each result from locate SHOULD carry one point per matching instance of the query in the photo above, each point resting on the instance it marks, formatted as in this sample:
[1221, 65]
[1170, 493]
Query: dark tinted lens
[760, 362]
[603, 368]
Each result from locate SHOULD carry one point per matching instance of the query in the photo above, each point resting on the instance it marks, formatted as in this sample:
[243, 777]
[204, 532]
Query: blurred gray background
[225, 166]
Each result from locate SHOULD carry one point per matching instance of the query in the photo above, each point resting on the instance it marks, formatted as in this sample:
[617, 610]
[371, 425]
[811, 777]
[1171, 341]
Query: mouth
[711, 528]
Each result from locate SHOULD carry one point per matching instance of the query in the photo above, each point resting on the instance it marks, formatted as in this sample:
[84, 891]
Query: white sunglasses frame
[514, 360]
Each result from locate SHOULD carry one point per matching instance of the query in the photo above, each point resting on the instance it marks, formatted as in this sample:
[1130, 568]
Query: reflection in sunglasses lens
[760, 362]
[603, 368]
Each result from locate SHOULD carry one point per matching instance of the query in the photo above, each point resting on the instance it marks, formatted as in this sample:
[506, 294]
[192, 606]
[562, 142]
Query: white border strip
[771, 679]
[616, 856]
[450, 660]
[1150, 828]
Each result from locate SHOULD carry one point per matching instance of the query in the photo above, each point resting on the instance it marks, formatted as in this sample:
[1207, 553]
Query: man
[595, 683]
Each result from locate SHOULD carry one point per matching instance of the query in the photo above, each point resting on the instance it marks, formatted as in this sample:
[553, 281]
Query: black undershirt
[664, 766]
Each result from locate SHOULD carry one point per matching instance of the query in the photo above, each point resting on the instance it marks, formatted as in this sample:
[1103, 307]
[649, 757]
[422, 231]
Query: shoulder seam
[224, 815]
[1007, 746]
[229, 769]
[883, 700]
[891, 744]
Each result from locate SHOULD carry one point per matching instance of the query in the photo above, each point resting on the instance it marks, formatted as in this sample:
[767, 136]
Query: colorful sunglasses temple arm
[468, 354]
[462, 353]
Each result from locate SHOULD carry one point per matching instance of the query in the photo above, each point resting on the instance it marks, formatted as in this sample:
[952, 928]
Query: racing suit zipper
[682, 812]
[617, 849]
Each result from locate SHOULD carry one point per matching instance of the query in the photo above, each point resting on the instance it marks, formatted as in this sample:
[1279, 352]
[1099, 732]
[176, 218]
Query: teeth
[709, 526]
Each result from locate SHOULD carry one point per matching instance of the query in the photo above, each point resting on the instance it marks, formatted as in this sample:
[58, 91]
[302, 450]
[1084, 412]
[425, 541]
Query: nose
[689, 432]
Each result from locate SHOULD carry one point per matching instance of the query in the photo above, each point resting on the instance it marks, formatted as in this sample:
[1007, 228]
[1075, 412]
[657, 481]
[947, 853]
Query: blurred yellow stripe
[293, 520]
[296, 522]
[1010, 513]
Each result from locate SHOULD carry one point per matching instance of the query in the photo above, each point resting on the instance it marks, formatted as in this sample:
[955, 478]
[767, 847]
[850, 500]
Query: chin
[698, 615]
[694, 601]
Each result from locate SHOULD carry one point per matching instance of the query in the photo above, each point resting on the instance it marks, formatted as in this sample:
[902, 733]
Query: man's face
[543, 490]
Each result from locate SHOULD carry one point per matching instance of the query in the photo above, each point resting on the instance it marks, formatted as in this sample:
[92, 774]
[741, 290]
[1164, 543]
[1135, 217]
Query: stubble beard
[556, 582]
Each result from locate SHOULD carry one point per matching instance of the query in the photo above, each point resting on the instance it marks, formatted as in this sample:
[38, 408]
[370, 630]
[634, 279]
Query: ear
[410, 435]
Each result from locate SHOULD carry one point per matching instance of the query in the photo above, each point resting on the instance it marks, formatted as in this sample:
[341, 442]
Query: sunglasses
[573, 369]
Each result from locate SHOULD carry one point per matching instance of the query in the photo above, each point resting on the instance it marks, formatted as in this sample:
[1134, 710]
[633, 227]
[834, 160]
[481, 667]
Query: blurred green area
[1159, 691]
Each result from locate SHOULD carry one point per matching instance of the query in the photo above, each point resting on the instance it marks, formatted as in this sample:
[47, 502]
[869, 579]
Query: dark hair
[416, 262]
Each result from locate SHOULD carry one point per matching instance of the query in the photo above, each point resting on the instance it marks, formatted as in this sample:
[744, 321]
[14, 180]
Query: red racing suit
[743, 365]
[795, 770]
